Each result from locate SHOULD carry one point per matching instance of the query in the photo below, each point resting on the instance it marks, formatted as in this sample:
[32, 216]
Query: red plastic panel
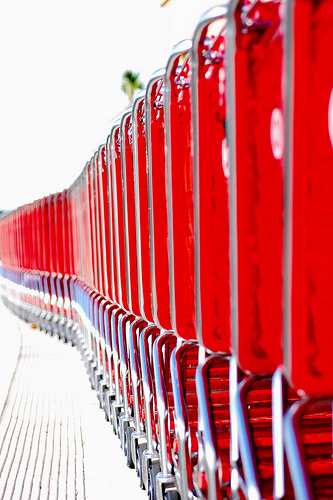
[75, 222]
[180, 202]
[71, 233]
[22, 235]
[308, 342]
[94, 234]
[104, 219]
[52, 233]
[65, 231]
[25, 236]
[7, 248]
[3, 240]
[118, 216]
[67, 225]
[157, 199]
[92, 222]
[85, 248]
[35, 236]
[60, 240]
[45, 231]
[35, 248]
[211, 177]
[10, 241]
[19, 261]
[6, 243]
[110, 248]
[30, 250]
[39, 232]
[142, 218]
[40, 235]
[99, 221]
[74, 228]
[28, 236]
[259, 149]
[129, 213]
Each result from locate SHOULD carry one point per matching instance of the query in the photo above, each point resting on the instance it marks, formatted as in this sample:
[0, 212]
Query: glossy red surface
[106, 226]
[129, 204]
[59, 233]
[259, 143]
[46, 244]
[311, 211]
[99, 222]
[143, 226]
[113, 278]
[119, 219]
[213, 196]
[181, 203]
[158, 209]
[91, 220]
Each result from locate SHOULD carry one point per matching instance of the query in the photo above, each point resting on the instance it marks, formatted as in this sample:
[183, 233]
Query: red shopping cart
[309, 248]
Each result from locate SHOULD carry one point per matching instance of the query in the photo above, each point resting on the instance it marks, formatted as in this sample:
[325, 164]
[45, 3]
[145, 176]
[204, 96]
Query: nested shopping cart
[217, 373]
[308, 270]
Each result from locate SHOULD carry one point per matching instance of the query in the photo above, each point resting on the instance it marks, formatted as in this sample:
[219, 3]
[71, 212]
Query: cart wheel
[124, 429]
[127, 447]
[141, 449]
[106, 415]
[115, 423]
[171, 495]
[154, 469]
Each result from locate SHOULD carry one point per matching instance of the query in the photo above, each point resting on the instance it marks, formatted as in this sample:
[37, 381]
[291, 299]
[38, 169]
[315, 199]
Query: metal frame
[289, 106]
[138, 437]
[150, 456]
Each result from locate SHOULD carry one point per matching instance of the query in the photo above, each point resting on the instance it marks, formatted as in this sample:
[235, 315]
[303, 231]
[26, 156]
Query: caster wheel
[154, 469]
[141, 449]
[127, 447]
[171, 495]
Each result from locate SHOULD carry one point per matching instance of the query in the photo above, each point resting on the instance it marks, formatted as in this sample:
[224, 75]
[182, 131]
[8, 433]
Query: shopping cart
[308, 246]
